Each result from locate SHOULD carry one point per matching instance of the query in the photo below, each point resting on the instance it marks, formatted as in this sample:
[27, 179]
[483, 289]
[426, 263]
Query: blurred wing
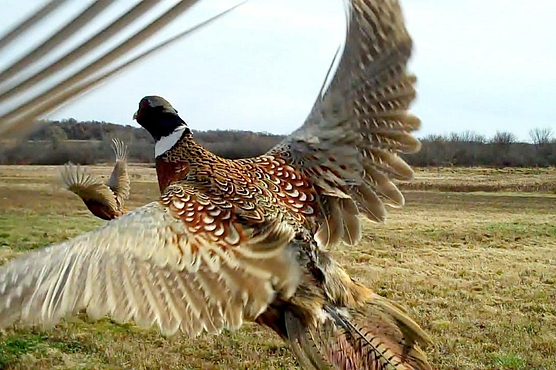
[87, 186]
[119, 179]
[30, 22]
[20, 77]
[184, 262]
[348, 147]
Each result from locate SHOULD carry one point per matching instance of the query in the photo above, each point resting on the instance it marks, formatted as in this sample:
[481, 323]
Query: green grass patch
[24, 231]
[522, 228]
[509, 361]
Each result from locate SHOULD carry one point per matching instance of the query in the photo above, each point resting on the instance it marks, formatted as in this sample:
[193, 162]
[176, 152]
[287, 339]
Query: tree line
[88, 142]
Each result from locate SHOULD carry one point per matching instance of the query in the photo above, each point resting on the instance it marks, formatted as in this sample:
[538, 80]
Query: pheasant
[231, 241]
[105, 201]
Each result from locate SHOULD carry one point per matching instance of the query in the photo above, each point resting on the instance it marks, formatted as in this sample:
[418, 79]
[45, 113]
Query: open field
[476, 269]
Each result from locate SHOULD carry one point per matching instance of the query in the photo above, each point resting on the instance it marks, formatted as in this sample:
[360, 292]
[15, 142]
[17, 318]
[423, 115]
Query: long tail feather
[375, 336]
[120, 150]
[303, 352]
[379, 343]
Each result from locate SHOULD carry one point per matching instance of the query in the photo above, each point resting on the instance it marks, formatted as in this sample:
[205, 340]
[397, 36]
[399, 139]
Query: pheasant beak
[135, 115]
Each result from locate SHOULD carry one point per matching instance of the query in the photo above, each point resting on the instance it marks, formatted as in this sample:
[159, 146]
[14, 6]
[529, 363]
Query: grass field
[472, 257]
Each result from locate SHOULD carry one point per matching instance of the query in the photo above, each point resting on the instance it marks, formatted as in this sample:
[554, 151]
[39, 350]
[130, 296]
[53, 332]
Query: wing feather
[119, 179]
[136, 268]
[87, 186]
[21, 119]
[350, 143]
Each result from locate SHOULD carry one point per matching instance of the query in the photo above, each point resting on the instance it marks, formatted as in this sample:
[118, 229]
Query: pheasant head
[162, 121]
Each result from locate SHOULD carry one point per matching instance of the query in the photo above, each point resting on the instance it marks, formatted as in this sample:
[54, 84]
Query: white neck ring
[167, 142]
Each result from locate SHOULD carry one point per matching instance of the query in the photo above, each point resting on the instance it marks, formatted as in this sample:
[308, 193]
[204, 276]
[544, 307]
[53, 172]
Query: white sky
[482, 65]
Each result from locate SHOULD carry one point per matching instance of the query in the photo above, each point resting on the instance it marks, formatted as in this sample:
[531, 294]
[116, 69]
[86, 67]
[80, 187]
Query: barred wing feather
[155, 268]
[350, 143]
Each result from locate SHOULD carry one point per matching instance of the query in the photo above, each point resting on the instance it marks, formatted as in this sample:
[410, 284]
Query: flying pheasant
[231, 241]
[103, 200]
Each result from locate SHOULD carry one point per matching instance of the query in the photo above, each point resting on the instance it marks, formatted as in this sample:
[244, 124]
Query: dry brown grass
[477, 270]
[481, 179]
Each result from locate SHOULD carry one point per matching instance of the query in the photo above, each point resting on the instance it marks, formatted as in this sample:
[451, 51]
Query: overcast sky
[481, 65]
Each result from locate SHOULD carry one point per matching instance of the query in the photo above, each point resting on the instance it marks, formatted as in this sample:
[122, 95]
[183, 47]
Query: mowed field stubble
[472, 257]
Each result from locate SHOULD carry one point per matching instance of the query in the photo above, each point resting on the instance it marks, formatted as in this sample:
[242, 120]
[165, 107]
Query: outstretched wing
[119, 179]
[89, 187]
[184, 262]
[350, 143]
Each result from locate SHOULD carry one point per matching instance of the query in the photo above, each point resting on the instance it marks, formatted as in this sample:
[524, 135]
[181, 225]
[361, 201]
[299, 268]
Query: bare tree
[435, 138]
[467, 136]
[503, 138]
[57, 136]
[541, 137]
[501, 143]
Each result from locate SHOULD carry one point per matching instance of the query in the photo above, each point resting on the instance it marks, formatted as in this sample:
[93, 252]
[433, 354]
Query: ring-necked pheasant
[236, 240]
[105, 201]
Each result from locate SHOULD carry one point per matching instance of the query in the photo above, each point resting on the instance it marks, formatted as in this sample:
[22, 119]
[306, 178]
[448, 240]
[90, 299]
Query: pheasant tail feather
[376, 336]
